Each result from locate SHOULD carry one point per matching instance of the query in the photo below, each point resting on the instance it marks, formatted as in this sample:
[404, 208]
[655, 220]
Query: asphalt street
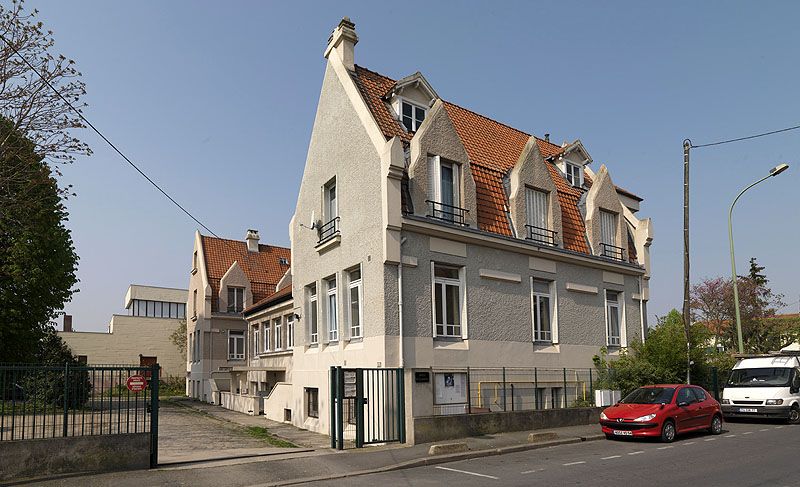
[746, 454]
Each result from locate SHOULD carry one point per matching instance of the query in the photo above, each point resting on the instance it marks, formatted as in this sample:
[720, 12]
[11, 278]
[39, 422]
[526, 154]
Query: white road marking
[690, 443]
[663, 447]
[729, 436]
[710, 439]
[635, 452]
[612, 456]
[748, 433]
[764, 429]
[468, 473]
[573, 463]
[778, 427]
[532, 471]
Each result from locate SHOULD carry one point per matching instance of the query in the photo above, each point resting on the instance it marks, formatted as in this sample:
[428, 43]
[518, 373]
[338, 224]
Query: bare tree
[26, 100]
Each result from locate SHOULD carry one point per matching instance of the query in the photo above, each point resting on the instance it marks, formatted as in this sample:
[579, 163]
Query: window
[83, 359]
[333, 325]
[312, 313]
[194, 262]
[574, 176]
[194, 304]
[608, 227]
[540, 300]
[685, 395]
[331, 210]
[266, 336]
[447, 301]
[256, 343]
[278, 337]
[235, 299]
[412, 116]
[613, 317]
[445, 190]
[312, 402]
[235, 345]
[290, 331]
[556, 396]
[537, 211]
[197, 346]
[354, 297]
[699, 394]
[191, 347]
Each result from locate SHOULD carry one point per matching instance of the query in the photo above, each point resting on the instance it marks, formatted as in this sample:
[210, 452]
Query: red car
[662, 411]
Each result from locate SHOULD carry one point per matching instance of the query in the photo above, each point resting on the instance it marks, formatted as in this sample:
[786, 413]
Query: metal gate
[48, 401]
[368, 406]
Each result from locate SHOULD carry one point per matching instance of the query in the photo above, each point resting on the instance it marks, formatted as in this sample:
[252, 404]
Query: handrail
[612, 251]
[541, 235]
[447, 213]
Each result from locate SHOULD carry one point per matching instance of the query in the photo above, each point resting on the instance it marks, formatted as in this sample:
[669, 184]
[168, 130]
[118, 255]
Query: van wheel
[794, 415]
[716, 425]
[668, 431]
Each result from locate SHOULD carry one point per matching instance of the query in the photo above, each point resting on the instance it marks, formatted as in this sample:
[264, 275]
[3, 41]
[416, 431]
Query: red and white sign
[136, 383]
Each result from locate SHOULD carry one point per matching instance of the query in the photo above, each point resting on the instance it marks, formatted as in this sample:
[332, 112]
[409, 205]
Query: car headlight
[603, 416]
[726, 401]
[645, 418]
[774, 402]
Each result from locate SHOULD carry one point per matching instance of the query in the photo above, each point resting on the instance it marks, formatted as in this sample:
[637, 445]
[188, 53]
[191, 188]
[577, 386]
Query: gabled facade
[226, 277]
[429, 236]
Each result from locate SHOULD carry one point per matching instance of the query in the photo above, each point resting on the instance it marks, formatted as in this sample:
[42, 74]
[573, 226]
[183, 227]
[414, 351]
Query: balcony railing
[447, 213]
[328, 230]
[612, 251]
[541, 235]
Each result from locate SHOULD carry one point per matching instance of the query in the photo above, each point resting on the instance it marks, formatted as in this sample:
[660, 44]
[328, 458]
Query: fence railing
[43, 401]
[612, 251]
[481, 390]
[542, 235]
[447, 213]
[328, 230]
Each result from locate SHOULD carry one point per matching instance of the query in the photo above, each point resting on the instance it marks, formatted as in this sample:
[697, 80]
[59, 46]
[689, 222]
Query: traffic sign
[136, 383]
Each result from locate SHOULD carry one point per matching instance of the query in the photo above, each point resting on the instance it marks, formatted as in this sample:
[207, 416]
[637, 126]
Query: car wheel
[716, 425]
[668, 431]
[794, 415]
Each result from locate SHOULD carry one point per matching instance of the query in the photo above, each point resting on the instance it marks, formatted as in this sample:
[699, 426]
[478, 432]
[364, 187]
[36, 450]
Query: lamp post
[772, 172]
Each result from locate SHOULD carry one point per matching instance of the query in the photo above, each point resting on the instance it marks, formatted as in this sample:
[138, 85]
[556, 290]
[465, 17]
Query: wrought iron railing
[541, 235]
[447, 213]
[612, 251]
[328, 230]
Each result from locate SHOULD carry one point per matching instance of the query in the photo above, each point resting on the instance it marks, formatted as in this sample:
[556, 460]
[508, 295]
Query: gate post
[340, 409]
[402, 402]
[469, 393]
[333, 405]
[566, 402]
[715, 382]
[66, 389]
[536, 387]
[504, 388]
[155, 376]
[359, 403]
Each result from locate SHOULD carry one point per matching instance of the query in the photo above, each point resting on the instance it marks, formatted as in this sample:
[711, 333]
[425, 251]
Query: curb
[438, 459]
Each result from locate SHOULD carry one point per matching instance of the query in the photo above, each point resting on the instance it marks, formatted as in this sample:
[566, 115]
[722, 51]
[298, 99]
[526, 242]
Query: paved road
[746, 454]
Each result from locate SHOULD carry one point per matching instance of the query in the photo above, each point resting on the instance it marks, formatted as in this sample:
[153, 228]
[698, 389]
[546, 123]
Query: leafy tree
[178, 337]
[755, 273]
[33, 109]
[37, 259]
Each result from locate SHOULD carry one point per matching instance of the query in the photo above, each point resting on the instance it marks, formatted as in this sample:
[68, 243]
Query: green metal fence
[479, 390]
[46, 401]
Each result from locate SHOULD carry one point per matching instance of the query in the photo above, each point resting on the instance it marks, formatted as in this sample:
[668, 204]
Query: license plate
[748, 410]
[623, 433]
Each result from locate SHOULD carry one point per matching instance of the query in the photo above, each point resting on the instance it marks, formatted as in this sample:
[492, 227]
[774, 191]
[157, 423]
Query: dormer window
[412, 116]
[574, 174]
[444, 191]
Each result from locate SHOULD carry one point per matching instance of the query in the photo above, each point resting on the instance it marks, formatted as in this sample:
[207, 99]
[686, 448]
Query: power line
[97, 131]
[744, 138]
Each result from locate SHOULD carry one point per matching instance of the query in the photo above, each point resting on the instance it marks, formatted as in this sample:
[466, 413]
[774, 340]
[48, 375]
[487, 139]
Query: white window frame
[462, 305]
[568, 171]
[236, 291]
[414, 108]
[619, 305]
[267, 341]
[535, 299]
[356, 331]
[313, 313]
[191, 347]
[239, 342]
[536, 218]
[609, 221]
[330, 208]
[331, 308]
[290, 331]
[278, 338]
[256, 344]
[435, 164]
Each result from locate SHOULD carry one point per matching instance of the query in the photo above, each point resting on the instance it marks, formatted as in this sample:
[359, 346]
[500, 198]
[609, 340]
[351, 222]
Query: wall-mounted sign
[136, 383]
[450, 388]
[421, 377]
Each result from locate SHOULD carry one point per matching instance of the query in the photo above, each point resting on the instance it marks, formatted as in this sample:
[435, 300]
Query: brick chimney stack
[67, 323]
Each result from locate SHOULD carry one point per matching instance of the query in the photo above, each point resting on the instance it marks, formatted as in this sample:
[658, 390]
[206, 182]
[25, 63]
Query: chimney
[252, 240]
[342, 41]
[67, 323]
[547, 137]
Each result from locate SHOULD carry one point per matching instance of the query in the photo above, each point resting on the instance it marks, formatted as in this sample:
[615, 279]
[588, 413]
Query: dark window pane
[448, 272]
[408, 123]
[407, 109]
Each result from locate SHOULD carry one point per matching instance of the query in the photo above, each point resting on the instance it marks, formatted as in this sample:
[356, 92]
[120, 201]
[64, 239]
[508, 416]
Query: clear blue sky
[216, 101]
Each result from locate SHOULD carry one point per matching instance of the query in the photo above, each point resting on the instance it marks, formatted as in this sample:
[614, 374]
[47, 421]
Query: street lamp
[772, 172]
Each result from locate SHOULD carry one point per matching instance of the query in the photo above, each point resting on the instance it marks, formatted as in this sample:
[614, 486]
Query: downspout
[400, 300]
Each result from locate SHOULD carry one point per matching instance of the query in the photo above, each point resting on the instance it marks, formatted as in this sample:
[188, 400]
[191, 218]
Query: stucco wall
[531, 171]
[603, 196]
[133, 335]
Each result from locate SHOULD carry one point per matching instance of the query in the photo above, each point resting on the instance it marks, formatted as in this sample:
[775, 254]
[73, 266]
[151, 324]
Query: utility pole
[687, 144]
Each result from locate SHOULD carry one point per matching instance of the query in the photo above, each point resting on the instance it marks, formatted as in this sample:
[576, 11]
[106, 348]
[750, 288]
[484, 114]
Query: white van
[764, 387]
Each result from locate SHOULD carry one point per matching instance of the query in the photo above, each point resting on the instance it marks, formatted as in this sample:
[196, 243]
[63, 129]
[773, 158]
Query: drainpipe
[400, 299]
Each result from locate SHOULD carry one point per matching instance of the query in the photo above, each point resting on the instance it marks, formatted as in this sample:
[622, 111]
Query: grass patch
[264, 434]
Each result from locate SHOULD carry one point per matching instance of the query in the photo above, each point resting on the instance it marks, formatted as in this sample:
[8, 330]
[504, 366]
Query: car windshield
[762, 377]
[650, 395]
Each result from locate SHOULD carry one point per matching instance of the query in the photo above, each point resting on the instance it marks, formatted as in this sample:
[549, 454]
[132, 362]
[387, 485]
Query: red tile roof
[280, 296]
[262, 268]
[493, 149]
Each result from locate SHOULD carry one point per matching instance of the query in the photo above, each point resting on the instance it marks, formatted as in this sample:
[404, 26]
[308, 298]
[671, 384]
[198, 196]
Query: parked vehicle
[764, 387]
[662, 411]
